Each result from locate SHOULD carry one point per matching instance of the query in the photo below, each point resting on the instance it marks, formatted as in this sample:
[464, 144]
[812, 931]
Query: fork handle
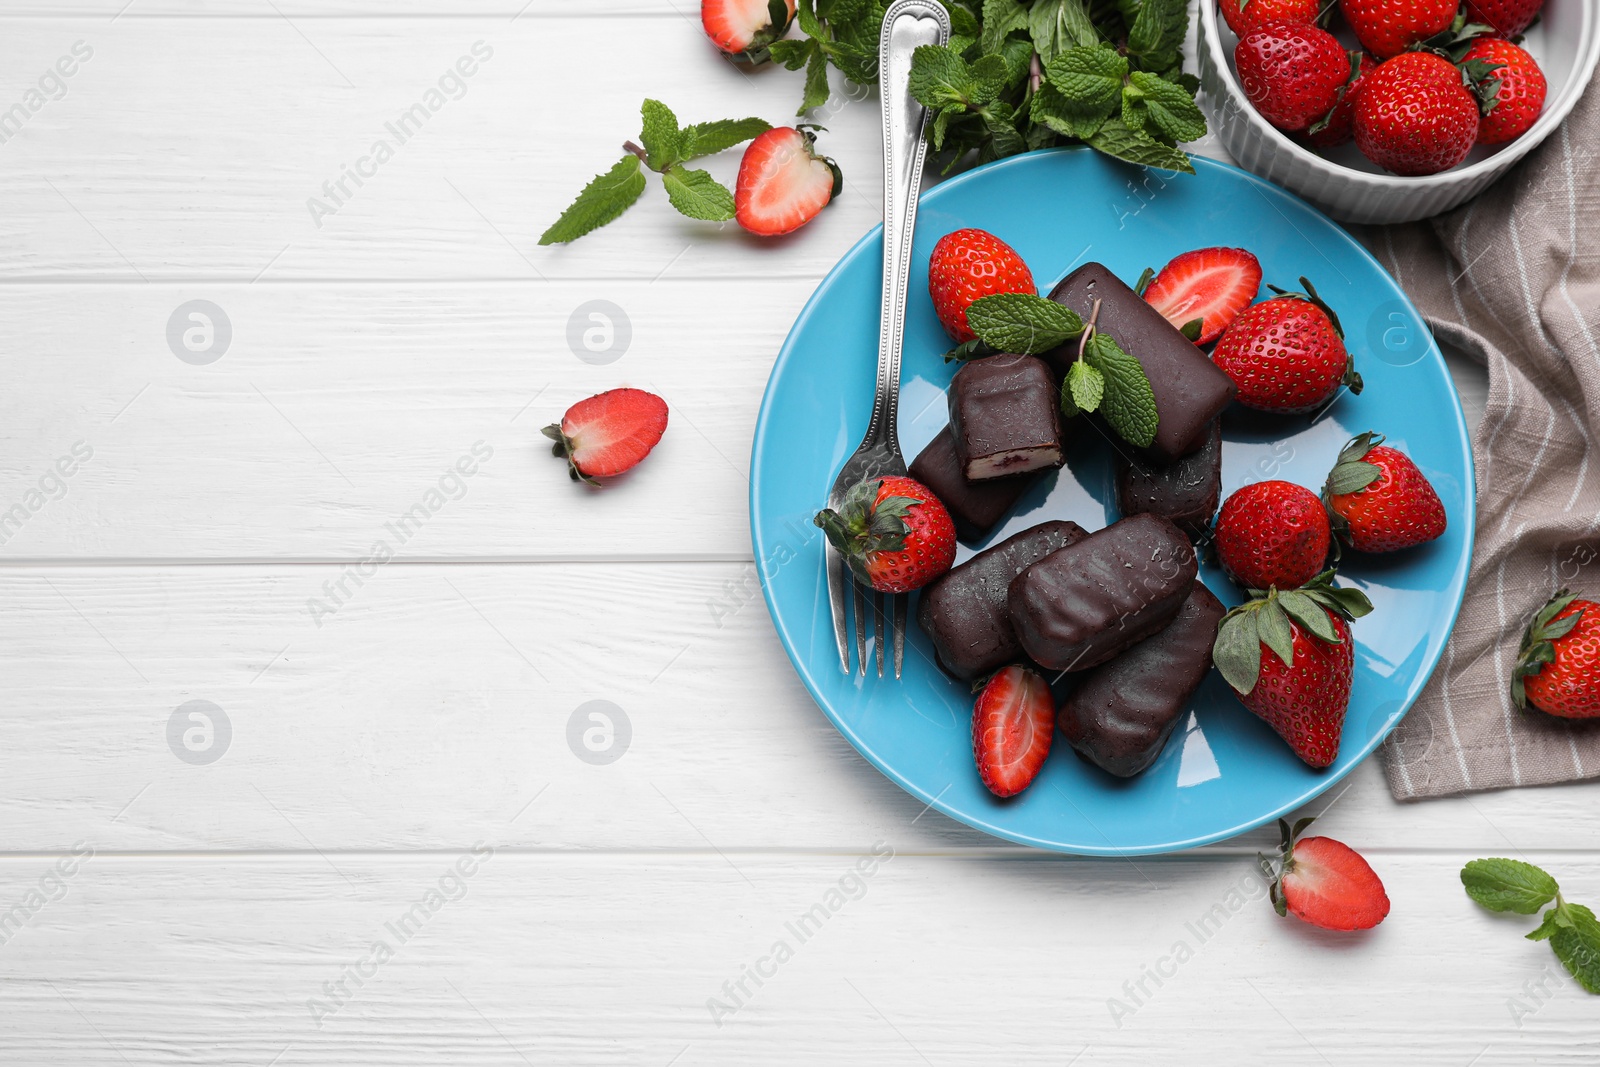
[906, 25]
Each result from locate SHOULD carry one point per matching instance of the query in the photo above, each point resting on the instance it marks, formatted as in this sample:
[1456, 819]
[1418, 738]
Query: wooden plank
[434, 706]
[335, 410]
[183, 183]
[906, 959]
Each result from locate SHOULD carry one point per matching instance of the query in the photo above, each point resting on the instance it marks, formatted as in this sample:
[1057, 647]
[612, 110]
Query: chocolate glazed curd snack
[1121, 713]
[965, 613]
[1189, 389]
[1083, 604]
[976, 507]
[1005, 416]
[1185, 491]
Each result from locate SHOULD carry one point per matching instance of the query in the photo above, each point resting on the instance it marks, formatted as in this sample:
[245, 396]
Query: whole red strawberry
[609, 433]
[1292, 72]
[1325, 882]
[1272, 534]
[1508, 17]
[783, 184]
[1514, 90]
[967, 265]
[1243, 16]
[1013, 723]
[1414, 115]
[1287, 354]
[1558, 666]
[894, 533]
[1388, 27]
[1288, 656]
[1337, 127]
[744, 30]
[1378, 500]
[1208, 285]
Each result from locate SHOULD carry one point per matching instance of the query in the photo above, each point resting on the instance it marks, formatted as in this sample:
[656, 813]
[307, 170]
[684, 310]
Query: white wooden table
[297, 884]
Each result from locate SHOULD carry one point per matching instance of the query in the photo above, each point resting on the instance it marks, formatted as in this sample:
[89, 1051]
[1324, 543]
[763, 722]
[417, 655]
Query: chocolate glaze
[976, 507]
[1081, 605]
[964, 611]
[1005, 416]
[1121, 713]
[1185, 491]
[1190, 390]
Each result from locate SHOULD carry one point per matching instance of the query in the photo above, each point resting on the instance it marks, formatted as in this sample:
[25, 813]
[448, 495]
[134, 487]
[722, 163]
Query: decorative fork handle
[906, 25]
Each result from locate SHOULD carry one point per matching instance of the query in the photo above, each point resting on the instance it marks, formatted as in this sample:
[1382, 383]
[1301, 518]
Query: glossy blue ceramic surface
[1223, 771]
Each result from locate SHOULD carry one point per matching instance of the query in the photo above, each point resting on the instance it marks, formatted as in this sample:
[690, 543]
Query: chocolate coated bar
[976, 507]
[1005, 416]
[1185, 491]
[1190, 390]
[964, 612]
[1083, 604]
[1122, 712]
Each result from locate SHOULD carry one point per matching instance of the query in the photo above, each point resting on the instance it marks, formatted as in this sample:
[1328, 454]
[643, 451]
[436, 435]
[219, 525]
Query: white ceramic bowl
[1344, 183]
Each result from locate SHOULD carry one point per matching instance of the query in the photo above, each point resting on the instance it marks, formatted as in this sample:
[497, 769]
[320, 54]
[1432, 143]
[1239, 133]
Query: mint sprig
[1018, 75]
[664, 147]
[1022, 322]
[1106, 379]
[1573, 931]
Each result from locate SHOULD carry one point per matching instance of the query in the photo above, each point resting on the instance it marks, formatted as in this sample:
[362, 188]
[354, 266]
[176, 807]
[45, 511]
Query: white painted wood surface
[429, 712]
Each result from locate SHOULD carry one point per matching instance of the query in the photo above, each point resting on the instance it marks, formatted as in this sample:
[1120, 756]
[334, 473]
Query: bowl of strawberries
[1383, 111]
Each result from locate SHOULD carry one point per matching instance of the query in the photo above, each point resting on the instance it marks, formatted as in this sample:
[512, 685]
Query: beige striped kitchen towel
[1514, 279]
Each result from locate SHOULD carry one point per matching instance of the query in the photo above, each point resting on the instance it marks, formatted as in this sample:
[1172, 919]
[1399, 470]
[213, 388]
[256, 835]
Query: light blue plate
[1223, 771]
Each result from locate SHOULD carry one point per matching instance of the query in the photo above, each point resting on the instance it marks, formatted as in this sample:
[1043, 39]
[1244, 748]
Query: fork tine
[899, 633]
[833, 563]
[877, 629]
[861, 628]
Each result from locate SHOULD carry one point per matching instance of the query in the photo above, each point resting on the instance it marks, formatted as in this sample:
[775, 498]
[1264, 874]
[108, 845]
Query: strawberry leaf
[1145, 278]
[602, 200]
[1237, 651]
[1508, 885]
[1193, 328]
[1275, 631]
[1310, 615]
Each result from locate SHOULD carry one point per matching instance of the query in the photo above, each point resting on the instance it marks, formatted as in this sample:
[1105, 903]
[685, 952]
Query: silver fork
[906, 25]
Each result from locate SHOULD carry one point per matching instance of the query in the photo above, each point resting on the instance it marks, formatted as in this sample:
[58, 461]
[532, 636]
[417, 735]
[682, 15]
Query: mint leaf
[1006, 141]
[1554, 919]
[1021, 322]
[602, 200]
[1001, 17]
[1089, 78]
[661, 137]
[1115, 139]
[709, 138]
[1508, 885]
[793, 54]
[809, 25]
[1056, 25]
[1129, 406]
[1156, 33]
[1085, 385]
[1578, 946]
[698, 195]
[1150, 101]
[939, 77]
[990, 75]
[816, 93]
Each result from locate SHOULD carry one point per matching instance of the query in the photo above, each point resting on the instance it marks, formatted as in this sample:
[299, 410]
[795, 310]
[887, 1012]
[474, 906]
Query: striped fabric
[1514, 278]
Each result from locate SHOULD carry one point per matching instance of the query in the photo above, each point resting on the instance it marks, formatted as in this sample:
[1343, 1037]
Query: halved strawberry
[1013, 723]
[1209, 284]
[609, 433]
[783, 184]
[1325, 882]
[744, 29]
